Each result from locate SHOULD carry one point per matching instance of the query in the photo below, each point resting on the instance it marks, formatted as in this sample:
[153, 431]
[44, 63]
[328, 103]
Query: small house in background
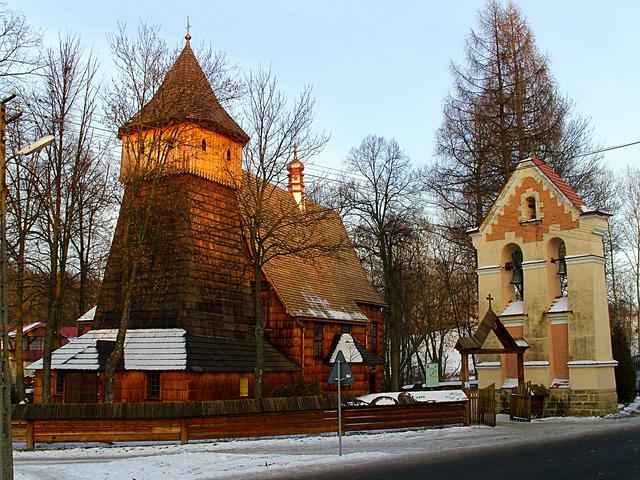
[541, 269]
[33, 344]
[191, 329]
[85, 321]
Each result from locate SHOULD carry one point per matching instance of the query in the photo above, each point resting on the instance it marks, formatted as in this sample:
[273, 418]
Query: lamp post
[6, 447]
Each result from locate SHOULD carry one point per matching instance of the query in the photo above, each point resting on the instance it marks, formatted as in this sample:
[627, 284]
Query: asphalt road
[612, 454]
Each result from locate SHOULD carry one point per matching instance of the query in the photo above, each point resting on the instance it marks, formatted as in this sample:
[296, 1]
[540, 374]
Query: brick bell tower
[540, 256]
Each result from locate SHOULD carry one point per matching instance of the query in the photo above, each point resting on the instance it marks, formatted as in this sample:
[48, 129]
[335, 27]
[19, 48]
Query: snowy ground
[290, 457]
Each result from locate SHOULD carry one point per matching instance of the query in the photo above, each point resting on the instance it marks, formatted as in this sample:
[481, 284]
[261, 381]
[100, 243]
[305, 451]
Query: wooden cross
[489, 297]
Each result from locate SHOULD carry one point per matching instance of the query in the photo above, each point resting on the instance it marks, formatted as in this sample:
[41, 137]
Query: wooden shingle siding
[192, 276]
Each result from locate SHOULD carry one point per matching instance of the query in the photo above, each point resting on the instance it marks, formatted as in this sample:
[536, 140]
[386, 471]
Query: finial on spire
[187, 37]
[296, 179]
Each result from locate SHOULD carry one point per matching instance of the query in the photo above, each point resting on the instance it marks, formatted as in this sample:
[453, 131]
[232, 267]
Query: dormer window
[228, 155]
[204, 145]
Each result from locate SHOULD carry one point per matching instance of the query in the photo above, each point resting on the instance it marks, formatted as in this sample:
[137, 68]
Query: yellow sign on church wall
[244, 387]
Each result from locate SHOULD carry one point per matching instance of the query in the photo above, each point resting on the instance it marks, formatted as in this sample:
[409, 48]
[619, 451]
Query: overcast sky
[382, 67]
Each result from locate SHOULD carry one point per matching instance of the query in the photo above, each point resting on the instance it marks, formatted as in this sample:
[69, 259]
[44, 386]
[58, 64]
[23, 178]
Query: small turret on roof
[186, 96]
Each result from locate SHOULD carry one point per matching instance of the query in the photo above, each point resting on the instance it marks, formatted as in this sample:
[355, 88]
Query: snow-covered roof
[521, 342]
[88, 316]
[144, 349]
[560, 304]
[509, 383]
[319, 307]
[347, 346]
[435, 396]
[515, 307]
[27, 328]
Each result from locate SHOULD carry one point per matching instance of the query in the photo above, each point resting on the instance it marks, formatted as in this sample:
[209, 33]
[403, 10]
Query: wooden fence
[182, 422]
[520, 409]
[482, 406]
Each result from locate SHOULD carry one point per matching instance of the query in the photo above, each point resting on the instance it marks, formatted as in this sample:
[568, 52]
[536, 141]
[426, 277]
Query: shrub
[625, 374]
[296, 388]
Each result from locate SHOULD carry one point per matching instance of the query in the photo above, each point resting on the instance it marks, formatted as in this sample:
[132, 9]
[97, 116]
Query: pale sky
[382, 67]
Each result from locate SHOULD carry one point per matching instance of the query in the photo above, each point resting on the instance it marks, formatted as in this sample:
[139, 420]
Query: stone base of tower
[581, 403]
[591, 392]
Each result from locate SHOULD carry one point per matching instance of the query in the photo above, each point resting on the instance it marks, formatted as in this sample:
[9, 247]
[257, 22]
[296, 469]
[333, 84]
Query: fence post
[30, 436]
[184, 434]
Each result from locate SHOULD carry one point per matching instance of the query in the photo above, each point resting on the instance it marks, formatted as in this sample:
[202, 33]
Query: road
[610, 454]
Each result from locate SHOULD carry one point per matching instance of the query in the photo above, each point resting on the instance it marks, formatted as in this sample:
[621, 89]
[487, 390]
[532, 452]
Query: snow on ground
[289, 457]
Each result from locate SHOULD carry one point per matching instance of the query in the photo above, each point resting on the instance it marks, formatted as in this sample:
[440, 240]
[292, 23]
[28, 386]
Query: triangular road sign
[345, 371]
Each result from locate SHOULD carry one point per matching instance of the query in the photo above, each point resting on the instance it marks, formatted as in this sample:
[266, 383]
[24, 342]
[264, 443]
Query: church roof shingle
[186, 95]
[563, 186]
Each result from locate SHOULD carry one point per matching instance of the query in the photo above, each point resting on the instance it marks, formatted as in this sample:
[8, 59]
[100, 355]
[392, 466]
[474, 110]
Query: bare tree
[272, 227]
[19, 47]
[382, 207]
[97, 197]
[23, 209]
[504, 106]
[64, 105]
[630, 223]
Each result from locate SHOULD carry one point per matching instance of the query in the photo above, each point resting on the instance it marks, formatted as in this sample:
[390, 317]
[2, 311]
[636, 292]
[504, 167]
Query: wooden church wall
[286, 335]
[192, 273]
[175, 386]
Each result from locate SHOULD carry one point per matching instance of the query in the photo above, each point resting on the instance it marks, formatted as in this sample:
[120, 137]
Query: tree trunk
[19, 322]
[257, 303]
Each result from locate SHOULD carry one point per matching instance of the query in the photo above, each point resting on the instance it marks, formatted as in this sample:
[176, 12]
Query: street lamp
[6, 447]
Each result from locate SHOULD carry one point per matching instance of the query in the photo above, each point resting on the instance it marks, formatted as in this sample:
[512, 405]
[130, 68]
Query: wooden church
[541, 270]
[190, 331]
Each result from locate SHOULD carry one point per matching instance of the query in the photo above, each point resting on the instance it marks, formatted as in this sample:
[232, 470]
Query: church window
[530, 208]
[59, 383]
[557, 251]
[318, 341]
[228, 155]
[373, 337]
[514, 275]
[204, 145]
[153, 385]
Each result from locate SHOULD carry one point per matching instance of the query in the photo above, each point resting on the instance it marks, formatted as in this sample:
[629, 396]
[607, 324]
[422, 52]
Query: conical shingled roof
[186, 95]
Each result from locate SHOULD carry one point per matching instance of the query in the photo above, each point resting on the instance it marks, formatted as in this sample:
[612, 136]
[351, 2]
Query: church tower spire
[185, 126]
[296, 179]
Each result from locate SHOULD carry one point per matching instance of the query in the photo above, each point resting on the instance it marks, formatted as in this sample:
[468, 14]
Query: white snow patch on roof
[321, 308]
[560, 304]
[510, 383]
[27, 328]
[435, 396]
[88, 316]
[348, 348]
[515, 307]
[144, 349]
[521, 342]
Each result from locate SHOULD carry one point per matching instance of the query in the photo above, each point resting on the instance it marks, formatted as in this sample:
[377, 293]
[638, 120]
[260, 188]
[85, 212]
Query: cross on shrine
[489, 297]
[188, 26]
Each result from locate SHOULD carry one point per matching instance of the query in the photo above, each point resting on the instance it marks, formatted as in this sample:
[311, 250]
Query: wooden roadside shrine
[475, 345]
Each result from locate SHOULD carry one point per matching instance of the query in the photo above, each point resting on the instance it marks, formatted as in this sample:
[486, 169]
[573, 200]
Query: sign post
[340, 373]
[432, 379]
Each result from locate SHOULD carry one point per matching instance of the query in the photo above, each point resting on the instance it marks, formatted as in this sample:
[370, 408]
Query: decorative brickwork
[553, 212]
[560, 350]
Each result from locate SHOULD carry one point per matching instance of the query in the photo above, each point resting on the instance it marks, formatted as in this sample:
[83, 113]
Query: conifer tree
[505, 105]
